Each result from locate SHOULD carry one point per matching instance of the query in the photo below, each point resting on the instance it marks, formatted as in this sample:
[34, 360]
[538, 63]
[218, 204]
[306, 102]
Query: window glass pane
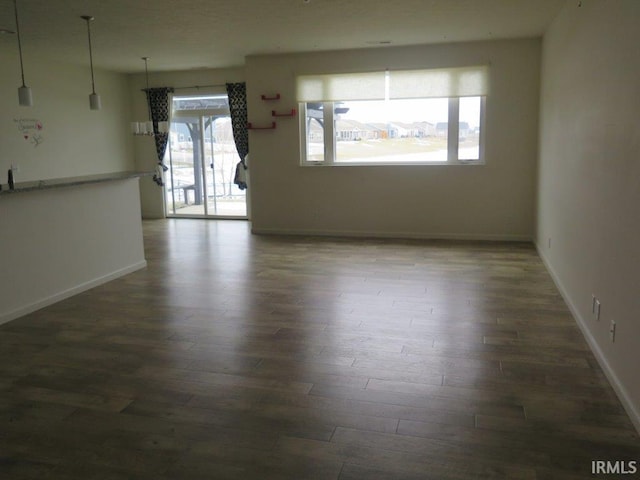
[314, 143]
[391, 131]
[183, 184]
[221, 158]
[469, 134]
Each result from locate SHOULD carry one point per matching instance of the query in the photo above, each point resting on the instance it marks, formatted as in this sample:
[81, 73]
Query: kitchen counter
[21, 187]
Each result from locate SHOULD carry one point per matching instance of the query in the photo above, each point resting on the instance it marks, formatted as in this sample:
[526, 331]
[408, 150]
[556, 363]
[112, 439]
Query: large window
[397, 117]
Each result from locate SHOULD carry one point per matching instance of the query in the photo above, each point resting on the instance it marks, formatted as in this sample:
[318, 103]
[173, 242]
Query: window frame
[323, 86]
[453, 142]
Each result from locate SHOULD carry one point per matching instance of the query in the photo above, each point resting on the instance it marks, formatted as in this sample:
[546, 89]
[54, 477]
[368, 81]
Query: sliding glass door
[202, 159]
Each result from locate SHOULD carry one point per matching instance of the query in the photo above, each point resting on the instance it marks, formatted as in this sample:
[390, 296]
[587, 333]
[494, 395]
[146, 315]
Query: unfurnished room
[319, 239]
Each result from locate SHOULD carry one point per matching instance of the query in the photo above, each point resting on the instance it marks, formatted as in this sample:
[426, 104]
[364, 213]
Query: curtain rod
[197, 87]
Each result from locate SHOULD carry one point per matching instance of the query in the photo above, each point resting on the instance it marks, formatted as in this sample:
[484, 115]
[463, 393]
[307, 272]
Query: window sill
[392, 164]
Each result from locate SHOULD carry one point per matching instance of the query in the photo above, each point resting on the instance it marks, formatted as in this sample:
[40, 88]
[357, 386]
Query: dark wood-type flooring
[250, 357]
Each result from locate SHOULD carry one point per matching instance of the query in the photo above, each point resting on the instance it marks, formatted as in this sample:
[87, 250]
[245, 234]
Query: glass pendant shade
[95, 103]
[25, 98]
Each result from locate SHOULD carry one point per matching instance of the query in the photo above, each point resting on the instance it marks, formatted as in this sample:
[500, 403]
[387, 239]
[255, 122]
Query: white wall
[62, 241]
[589, 177]
[145, 153]
[494, 201]
[76, 140]
[59, 242]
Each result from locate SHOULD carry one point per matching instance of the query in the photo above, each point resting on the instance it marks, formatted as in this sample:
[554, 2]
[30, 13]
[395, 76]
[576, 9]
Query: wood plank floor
[238, 356]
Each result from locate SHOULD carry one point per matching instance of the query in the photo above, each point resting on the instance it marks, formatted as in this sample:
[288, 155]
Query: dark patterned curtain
[237, 93]
[158, 101]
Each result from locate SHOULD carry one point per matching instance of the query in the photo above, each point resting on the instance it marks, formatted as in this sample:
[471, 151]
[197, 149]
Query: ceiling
[191, 34]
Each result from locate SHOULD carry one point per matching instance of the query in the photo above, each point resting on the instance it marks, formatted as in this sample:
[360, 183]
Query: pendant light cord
[15, 9]
[146, 73]
[93, 83]
[146, 70]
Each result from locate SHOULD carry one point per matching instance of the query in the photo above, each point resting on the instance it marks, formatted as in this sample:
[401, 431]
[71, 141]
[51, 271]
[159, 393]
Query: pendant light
[94, 99]
[25, 98]
[146, 127]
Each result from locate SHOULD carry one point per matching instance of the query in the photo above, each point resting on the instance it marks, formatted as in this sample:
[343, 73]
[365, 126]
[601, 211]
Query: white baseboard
[618, 387]
[50, 300]
[391, 235]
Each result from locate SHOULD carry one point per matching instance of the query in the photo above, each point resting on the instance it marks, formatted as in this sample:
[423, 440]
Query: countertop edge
[37, 185]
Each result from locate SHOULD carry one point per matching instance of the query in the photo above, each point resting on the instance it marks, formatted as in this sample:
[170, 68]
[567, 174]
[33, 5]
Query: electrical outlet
[596, 310]
[612, 331]
[15, 168]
